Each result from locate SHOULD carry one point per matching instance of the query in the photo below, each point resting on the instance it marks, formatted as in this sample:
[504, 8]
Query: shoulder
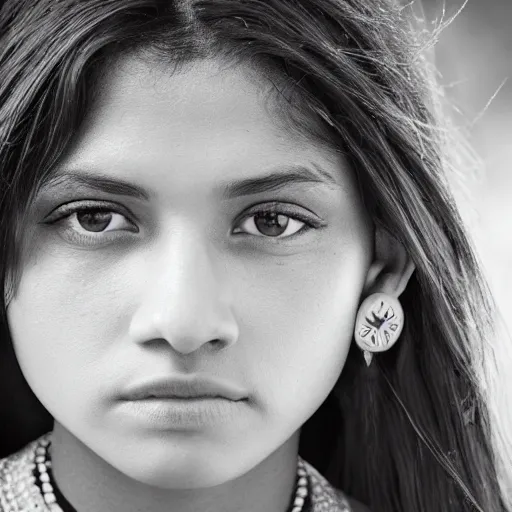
[325, 497]
[16, 480]
[11, 466]
[357, 506]
[351, 504]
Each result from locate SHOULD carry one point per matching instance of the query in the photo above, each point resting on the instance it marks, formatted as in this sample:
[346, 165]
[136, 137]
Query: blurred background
[474, 57]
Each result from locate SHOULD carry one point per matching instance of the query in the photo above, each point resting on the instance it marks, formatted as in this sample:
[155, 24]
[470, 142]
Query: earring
[379, 322]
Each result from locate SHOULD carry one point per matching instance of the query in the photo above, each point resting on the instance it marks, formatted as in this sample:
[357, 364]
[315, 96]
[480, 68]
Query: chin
[179, 478]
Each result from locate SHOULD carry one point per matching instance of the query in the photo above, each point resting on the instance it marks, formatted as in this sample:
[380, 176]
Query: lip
[183, 387]
[182, 414]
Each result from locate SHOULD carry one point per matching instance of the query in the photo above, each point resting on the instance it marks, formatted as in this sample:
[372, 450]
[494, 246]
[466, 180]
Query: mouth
[187, 398]
[184, 389]
[183, 414]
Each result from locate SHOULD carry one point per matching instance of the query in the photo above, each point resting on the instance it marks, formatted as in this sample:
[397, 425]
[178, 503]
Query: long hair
[413, 431]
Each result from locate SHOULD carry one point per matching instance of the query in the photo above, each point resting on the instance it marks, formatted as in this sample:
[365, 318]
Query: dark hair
[395, 436]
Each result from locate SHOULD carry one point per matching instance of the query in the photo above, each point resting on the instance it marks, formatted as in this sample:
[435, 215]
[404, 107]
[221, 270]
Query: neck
[90, 484]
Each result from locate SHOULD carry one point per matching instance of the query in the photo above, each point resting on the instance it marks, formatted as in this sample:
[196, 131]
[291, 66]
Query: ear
[391, 267]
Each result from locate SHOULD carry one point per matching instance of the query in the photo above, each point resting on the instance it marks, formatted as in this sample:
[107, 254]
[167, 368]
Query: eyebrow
[296, 174]
[96, 181]
[273, 181]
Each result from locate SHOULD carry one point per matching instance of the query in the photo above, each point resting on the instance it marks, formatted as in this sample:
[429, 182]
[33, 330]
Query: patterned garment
[19, 491]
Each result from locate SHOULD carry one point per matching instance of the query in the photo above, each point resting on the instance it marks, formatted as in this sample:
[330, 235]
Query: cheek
[299, 326]
[59, 321]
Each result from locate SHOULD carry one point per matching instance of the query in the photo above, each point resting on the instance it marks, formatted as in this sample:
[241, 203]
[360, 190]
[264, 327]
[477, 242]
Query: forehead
[205, 96]
[204, 119]
[209, 98]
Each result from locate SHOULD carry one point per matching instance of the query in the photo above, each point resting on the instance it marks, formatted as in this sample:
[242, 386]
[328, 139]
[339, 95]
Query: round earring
[379, 322]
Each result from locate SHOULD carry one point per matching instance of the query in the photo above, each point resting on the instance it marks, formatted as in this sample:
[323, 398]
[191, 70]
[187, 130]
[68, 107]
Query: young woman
[234, 274]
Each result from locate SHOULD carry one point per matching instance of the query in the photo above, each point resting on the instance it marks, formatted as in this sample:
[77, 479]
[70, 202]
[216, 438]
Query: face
[222, 245]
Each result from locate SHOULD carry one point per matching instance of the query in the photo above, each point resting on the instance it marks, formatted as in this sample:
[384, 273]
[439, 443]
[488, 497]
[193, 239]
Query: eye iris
[96, 221]
[271, 223]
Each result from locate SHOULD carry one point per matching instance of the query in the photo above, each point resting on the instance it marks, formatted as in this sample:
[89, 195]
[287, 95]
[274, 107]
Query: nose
[184, 299]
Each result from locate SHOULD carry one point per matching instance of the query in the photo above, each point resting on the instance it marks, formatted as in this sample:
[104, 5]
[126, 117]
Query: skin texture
[195, 287]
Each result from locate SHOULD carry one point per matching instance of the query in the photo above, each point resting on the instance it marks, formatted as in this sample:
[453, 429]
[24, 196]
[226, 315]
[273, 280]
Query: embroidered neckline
[19, 490]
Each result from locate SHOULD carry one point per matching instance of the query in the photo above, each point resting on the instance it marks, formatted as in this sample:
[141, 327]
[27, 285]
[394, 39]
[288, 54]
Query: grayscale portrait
[236, 275]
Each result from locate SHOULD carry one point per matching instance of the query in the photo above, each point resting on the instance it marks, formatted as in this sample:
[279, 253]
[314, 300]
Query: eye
[88, 223]
[96, 221]
[277, 222]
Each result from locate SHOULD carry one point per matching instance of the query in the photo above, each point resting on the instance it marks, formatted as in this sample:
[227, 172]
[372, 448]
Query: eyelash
[67, 211]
